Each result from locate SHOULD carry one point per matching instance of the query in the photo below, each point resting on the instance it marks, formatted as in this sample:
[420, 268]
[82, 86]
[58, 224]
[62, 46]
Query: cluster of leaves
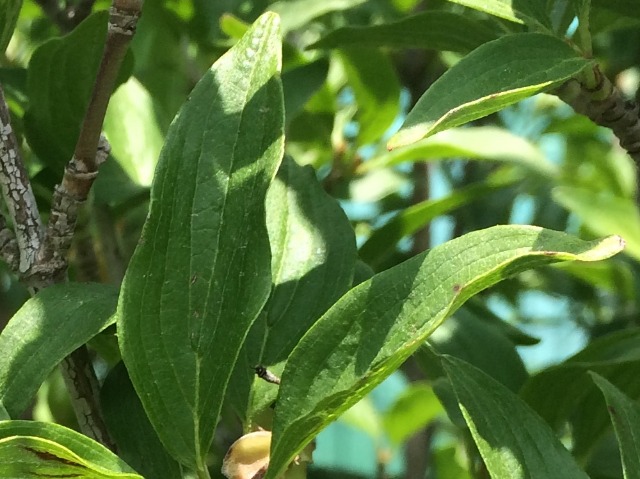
[244, 258]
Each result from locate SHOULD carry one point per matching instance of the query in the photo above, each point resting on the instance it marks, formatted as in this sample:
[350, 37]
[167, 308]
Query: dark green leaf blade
[313, 252]
[407, 222]
[138, 443]
[531, 12]
[376, 88]
[625, 415]
[433, 29]
[373, 328]
[490, 78]
[9, 10]
[513, 441]
[76, 312]
[60, 79]
[38, 449]
[565, 393]
[201, 272]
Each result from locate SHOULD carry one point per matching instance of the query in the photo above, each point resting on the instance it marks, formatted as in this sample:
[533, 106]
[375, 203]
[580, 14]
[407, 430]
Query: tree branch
[9, 250]
[17, 192]
[594, 96]
[43, 258]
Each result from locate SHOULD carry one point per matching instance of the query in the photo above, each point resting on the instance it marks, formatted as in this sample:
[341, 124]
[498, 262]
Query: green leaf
[480, 342]
[493, 76]
[298, 13]
[364, 416]
[625, 415]
[383, 240]
[161, 64]
[60, 79]
[138, 443]
[9, 10]
[531, 12]
[132, 131]
[603, 214]
[313, 252]
[201, 272]
[565, 393]
[299, 85]
[513, 441]
[622, 8]
[416, 407]
[76, 312]
[481, 143]
[376, 87]
[434, 30]
[37, 449]
[373, 328]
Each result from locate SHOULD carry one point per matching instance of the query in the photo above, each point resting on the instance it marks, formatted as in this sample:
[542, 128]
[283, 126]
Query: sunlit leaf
[493, 76]
[76, 312]
[373, 328]
[514, 442]
[202, 270]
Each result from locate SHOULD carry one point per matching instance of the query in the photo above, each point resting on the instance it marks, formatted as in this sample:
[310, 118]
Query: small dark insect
[264, 373]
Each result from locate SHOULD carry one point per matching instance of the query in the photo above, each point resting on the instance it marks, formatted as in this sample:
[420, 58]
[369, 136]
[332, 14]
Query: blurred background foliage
[352, 69]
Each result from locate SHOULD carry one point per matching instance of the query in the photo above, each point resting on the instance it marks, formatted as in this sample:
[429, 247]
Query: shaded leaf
[482, 143]
[297, 13]
[513, 441]
[9, 10]
[416, 407]
[477, 341]
[299, 85]
[565, 393]
[625, 415]
[37, 449]
[201, 272]
[493, 76]
[60, 79]
[133, 133]
[137, 442]
[383, 240]
[531, 12]
[603, 214]
[313, 256]
[432, 30]
[373, 328]
[376, 87]
[76, 312]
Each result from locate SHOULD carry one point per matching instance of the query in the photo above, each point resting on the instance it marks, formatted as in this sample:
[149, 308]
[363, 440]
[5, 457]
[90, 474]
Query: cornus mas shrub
[211, 305]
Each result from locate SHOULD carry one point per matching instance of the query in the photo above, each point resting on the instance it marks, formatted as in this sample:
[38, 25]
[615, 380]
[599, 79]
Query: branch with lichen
[593, 95]
[39, 255]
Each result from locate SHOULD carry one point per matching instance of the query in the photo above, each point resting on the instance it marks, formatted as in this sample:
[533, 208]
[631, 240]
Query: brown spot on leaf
[47, 456]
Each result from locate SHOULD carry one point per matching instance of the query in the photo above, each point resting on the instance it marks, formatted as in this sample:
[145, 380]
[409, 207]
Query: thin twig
[17, 192]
